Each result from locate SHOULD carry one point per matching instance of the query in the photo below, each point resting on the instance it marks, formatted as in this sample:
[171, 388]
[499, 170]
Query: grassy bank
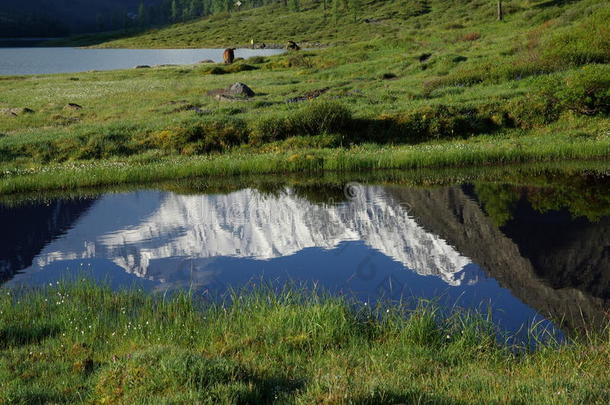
[409, 90]
[538, 174]
[151, 168]
[83, 344]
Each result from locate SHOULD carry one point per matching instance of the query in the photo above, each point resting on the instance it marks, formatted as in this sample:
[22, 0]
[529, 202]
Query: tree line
[46, 22]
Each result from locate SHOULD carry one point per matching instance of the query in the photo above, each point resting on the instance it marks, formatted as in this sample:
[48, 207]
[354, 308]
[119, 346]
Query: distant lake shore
[25, 60]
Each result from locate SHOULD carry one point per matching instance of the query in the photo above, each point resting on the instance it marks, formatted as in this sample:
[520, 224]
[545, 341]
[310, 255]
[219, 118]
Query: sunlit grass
[159, 124]
[81, 343]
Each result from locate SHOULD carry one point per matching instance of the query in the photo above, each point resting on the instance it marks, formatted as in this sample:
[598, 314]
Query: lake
[527, 252]
[26, 61]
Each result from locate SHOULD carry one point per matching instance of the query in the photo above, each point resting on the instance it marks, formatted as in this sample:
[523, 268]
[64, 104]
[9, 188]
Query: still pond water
[25, 61]
[520, 250]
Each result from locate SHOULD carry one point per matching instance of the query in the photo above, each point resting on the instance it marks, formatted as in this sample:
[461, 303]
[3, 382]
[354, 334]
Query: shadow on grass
[34, 397]
[408, 398]
[554, 3]
[14, 336]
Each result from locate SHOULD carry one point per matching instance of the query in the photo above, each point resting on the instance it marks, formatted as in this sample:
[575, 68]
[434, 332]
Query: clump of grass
[317, 117]
[584, 91]
[292, 60]
[431, 122]
[80, 342]
[232, 68]
[204, 137]
[256, 60]
[471, 36]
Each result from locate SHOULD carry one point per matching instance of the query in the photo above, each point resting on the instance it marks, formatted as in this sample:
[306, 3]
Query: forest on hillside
[56, 18]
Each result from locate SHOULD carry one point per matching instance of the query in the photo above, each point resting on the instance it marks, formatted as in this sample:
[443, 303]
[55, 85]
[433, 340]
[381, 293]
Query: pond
[26, 61]
[526, 252]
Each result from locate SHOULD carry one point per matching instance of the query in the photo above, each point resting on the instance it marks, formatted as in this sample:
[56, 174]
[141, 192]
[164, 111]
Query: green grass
[148, 168]
[534, 87]
[82, 344]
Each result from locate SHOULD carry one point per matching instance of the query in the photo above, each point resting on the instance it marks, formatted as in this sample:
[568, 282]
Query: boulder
[206, 61]
[240, 89]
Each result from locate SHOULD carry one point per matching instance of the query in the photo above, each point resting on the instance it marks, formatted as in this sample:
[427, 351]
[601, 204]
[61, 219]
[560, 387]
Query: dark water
[528, 253]
[25, 61]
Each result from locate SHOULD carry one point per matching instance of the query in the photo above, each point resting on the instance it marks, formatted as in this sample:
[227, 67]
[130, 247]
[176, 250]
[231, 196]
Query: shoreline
[334, 160]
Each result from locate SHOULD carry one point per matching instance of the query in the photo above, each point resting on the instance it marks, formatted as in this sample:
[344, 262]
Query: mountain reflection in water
[383, 242]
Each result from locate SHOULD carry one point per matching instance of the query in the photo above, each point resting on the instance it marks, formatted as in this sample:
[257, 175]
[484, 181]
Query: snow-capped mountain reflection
[138, 229]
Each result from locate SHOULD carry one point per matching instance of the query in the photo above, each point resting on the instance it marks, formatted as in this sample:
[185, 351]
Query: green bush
[584, 91]
[432, 122]
[233, 68]
[531, 111]
[256, 60]
[317, 117]
[103, 146]
[205, 137]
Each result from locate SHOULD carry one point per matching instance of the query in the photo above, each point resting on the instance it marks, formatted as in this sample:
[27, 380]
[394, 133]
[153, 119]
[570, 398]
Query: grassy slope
[124, 110]
[84, 344]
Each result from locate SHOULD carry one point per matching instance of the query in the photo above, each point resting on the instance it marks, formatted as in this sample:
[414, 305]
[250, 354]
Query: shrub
[301, 60]
[585, 91]
[318, 117]
[532, 111]
[102, 146]
[216, 70]
[233, 68]
[432, 122]
[256, 60]
[205, 137]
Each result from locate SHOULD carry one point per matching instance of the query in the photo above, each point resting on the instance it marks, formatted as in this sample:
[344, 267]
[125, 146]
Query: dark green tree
[175, 11]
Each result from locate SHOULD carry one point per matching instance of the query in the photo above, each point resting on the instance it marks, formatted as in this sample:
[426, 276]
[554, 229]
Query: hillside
[411, 22]
[400, 84]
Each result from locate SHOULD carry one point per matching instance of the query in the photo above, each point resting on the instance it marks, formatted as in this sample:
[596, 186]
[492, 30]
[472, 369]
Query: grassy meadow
[438, 87]
[81, 343]
[434, 84]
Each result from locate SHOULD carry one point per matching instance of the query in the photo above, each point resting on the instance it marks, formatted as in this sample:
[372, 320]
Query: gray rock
[206, 61]
[240, 89]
